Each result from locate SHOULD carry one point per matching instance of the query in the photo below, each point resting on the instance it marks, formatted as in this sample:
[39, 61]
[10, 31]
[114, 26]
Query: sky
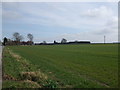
[49, 21]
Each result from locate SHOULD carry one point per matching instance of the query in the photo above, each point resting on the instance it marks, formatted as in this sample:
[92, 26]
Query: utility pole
[104, 39]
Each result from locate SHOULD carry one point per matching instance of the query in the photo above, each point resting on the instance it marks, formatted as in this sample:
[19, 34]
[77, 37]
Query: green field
[71, 66]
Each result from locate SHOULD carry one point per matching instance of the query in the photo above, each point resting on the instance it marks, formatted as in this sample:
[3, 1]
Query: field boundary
[27, 76]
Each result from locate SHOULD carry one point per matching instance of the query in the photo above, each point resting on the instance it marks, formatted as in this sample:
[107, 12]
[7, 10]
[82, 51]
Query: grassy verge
[19, 73]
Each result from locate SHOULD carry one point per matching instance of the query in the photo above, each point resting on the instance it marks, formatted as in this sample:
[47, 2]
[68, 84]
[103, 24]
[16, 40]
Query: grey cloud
[11, 15]
[102, 11]
[110, 27]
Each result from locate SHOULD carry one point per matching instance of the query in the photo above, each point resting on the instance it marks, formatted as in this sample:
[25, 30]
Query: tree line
[17, 39]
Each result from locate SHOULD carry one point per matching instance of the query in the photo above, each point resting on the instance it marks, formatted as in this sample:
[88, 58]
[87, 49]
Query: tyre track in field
[93, 80]
[86, 77]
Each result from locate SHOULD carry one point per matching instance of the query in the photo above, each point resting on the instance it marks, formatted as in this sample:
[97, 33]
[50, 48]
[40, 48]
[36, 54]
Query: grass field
[72, 66]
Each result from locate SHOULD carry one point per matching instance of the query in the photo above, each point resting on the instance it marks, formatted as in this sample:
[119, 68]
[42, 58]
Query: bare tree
[30, 37]
[17, 37]
[44, 42]
[63, 41]
[20, 38]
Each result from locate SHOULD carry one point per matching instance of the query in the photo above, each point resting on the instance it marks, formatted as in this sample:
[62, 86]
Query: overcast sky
[57, 20]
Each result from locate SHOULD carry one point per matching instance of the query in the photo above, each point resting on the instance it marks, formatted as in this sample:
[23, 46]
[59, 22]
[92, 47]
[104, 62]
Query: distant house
[11, 42]
[79, 42]
[26, 43]
[56, 43]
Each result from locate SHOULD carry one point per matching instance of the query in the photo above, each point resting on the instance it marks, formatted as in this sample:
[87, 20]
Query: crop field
[67, 66]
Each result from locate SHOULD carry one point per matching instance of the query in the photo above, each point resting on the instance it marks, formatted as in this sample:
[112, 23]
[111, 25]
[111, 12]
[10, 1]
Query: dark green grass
[19, 73]
[82, 66]
[18, 84]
